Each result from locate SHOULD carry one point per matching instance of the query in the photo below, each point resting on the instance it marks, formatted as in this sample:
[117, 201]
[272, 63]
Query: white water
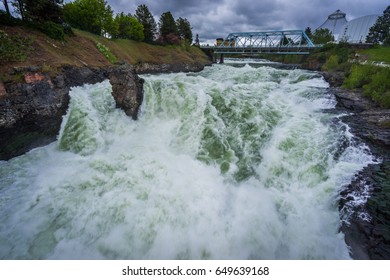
[229, 163]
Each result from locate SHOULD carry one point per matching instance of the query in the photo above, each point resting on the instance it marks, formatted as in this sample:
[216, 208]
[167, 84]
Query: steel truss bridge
[274, 42]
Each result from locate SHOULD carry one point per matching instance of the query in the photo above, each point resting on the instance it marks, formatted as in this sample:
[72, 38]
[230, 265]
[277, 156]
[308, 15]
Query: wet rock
[352, 100]
[150, 68]
[31, 112]
[368, 230]
[335, 79]
[127, 89]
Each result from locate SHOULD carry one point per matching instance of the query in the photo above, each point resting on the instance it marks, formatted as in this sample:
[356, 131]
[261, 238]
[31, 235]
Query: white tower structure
[335, 22]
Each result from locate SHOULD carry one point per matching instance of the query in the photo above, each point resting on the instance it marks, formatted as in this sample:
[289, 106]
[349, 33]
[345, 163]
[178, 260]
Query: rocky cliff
[368, 230]
[31, 110]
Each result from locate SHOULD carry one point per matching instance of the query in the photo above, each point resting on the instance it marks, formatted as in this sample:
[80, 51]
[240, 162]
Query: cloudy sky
[217, 18]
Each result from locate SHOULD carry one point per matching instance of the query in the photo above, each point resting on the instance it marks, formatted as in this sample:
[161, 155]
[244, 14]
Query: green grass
[377, 54]
[374, 80]
[14, 48]
[139, 52]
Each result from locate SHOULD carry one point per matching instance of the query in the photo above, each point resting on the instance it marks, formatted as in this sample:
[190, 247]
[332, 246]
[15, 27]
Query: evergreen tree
[380, 31]
[123, 26]
[6, 6]
[308, 32]
[143, 15]
[40, 10]
[168, 29]
[184, 29]
[322, 36]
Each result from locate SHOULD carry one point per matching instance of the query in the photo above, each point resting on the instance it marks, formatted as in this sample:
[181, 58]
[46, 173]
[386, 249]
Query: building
[334, 23]
[356, 30]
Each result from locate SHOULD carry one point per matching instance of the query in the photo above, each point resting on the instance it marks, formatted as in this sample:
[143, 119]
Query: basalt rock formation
[31, 110]
[368, 229]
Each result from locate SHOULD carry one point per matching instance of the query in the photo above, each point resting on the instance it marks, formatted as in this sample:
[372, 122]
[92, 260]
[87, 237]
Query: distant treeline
[55, 18]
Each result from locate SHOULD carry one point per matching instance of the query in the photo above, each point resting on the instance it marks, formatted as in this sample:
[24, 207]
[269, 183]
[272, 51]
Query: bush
[374, 80]
[106, 52]
[331, 64]
[67, 29]
[8, 20]
[379, 87]
[359, 76]
[53, 30]
[13, 48]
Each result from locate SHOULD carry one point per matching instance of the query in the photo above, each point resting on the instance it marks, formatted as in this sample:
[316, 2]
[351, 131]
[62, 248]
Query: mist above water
[229, 163]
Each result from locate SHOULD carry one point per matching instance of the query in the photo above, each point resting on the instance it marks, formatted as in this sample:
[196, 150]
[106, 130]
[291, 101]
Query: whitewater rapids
[234, 162]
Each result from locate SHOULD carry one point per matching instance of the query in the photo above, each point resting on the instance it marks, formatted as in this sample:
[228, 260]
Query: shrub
[374, 80]
[67, 29]
[106, 52]
[331, 63]
[8, 20]
[53, 30]
[359, 76]
[379, 87]
[14, 48]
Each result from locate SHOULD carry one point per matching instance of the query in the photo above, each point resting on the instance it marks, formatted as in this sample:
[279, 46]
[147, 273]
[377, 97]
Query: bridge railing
[287, 41]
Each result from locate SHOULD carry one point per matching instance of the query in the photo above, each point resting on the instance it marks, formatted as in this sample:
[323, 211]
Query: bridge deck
[259, 50]
[277, 42]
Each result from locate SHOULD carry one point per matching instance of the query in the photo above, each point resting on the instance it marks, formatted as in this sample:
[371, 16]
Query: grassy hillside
[376, 54]
[21, 47]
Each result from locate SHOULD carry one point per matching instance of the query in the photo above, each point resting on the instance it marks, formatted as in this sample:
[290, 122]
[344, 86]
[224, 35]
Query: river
[239, 161]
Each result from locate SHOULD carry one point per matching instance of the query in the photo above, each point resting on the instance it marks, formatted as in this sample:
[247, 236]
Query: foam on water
[228, 163]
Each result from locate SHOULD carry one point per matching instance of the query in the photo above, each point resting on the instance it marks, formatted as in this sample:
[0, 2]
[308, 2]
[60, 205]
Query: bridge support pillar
[221, 59]
[214, 57]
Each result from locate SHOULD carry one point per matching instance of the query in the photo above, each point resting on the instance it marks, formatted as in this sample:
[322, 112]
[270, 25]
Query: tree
[107, 24]
[136, 30]
[308, 32]
[95, 16]
[143, 15]
[184, 29]
[322, 36]
[168, 29]
[129, 27]
[380, 31]
[5, 2]
[19, 8]
[123, 26]
[40, 10]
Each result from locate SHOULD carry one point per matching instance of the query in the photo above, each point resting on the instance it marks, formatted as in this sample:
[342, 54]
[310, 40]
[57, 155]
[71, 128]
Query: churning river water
[234, 162]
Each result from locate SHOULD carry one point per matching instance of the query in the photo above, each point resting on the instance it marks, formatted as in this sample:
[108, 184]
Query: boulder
[127, 88]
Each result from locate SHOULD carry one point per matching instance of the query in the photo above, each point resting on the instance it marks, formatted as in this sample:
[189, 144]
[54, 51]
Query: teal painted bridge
[265, 42]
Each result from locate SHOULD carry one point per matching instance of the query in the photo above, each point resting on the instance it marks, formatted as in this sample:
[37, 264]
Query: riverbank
[88, 50]
[368, 230]
[38, 72]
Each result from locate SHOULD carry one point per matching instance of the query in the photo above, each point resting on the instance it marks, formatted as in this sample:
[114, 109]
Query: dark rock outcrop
[31, 111]
[150, 68]
[368, 230]
[127, 89]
